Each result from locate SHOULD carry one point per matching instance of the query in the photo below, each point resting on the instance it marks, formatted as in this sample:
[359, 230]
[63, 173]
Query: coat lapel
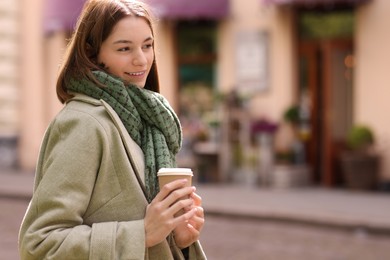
[137, 162]
[130, 145]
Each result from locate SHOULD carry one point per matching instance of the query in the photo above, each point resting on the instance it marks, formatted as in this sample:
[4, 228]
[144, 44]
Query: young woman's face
[128, 51]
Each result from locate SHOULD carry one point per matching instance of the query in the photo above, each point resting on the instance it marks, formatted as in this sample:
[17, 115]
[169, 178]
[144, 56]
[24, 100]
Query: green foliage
[292, 114]
[360, 137]
[325, 25]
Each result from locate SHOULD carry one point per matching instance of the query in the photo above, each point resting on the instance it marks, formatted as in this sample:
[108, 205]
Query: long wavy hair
[94, 25]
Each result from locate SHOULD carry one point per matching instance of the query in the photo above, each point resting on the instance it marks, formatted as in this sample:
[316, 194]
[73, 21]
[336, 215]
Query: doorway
[325, 76]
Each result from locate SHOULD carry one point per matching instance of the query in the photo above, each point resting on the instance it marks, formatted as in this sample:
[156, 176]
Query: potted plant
[291, 169]
[360, 163]
[291, 115]
[297, 151]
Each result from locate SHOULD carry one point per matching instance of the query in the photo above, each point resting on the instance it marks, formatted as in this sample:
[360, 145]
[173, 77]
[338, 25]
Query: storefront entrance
[325, 79]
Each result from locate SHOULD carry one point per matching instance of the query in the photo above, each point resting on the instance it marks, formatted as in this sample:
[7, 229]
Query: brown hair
[94, 25]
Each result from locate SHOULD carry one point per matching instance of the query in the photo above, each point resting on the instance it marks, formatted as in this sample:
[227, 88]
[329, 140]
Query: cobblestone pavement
[241, 238]
[231, 238]
[11, 215]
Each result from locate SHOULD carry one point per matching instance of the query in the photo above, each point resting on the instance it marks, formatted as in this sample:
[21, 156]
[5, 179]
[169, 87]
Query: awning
[313, 3]
[61, 14]
[190, 9]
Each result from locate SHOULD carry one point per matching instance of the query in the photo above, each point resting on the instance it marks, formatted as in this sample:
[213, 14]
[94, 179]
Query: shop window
[196, 60]
[196, 45]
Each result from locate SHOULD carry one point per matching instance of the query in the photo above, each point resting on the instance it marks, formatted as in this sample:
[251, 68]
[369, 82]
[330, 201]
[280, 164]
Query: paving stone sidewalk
[335, 207]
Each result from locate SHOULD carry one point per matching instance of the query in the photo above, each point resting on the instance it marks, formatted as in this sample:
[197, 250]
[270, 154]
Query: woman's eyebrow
[122, 41]
[129, 42]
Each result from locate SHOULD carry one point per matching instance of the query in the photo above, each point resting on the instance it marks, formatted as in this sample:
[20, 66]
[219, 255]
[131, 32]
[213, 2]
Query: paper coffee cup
[166, 175]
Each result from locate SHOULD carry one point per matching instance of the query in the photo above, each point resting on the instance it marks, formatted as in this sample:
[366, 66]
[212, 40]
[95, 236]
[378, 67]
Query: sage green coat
[88, 200]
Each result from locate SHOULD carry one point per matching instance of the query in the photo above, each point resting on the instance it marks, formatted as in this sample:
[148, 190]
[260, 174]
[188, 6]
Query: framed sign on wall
[252, 61]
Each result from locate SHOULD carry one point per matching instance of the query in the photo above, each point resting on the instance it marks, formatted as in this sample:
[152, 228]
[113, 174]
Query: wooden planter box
[360, 171]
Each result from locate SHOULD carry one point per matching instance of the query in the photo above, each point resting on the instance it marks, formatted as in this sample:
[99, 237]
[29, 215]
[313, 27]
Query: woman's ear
[90, 52]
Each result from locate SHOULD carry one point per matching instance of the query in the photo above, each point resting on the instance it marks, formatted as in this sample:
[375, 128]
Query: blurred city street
[11, 215]
[254, 223]
[281, 110]
[236, 238]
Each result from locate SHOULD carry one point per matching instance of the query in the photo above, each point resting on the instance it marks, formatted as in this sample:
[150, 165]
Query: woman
[96, 193]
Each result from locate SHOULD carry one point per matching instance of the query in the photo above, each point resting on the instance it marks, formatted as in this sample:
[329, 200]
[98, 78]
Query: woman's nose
[140, 58]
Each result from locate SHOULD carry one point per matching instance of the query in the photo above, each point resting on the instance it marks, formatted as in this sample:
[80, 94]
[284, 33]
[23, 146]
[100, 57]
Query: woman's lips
[135, 74]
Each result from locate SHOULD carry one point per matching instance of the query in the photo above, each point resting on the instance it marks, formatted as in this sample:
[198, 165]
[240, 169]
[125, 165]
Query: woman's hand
[160, 217]
[188, 232]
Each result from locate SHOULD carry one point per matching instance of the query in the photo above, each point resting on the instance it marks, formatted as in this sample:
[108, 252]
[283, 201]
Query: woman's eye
[148, 46]
[124, 49]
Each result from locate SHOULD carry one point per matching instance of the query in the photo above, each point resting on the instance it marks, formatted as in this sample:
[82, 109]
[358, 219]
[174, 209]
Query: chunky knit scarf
[148, 118]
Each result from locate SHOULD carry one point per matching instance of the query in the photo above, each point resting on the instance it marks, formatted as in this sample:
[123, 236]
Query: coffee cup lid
[174, 171]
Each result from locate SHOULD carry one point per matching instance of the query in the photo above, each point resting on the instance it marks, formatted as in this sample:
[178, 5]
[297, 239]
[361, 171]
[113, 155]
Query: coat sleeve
[195, 251]
[68, 167]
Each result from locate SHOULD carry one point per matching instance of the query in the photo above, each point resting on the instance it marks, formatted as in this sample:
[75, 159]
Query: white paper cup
[166, 175]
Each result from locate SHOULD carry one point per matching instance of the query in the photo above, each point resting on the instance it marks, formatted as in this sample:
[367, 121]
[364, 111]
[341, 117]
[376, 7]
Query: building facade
[9, 76]
[263, 49]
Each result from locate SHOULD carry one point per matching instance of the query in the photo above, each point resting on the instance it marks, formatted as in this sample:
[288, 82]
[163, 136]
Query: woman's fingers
[169, 187]
[175, 197]
[180, 206]
[177, 207]
[197, 199]
[190, 224]
[197, 221]
[200, 212]
[186, 233]
[186, 216]
[195, 233]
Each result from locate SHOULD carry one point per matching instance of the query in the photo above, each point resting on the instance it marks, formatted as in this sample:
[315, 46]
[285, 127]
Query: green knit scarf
[148, 118]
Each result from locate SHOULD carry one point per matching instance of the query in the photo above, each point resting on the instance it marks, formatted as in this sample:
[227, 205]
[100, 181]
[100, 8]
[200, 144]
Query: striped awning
[312, 3]
[190, 9]
[61, 14]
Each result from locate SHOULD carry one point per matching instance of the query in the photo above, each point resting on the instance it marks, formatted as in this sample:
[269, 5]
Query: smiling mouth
[135, 73]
